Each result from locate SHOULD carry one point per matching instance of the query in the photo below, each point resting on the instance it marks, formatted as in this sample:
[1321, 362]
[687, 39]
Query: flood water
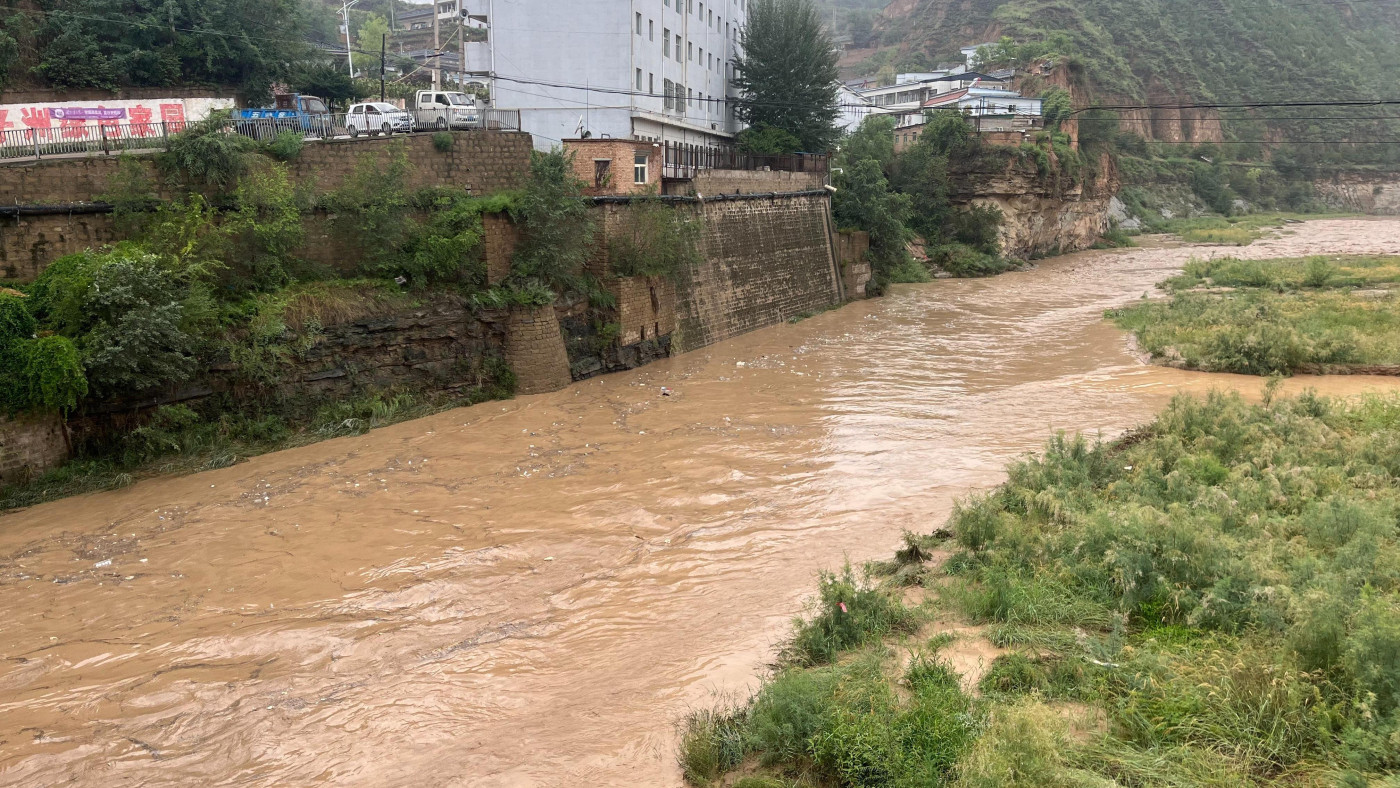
[531, 593]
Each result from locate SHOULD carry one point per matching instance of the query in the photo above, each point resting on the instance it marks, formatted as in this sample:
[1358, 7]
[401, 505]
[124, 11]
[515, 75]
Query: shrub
[265, 228]
[655, 239]
[711, 744]
[788, 712]
[442, 142]
[136, 342]
[1318, 272]
[54, 375]
[1024, 747]
[848, 613]
[287, 145]
[208, 152]
[556, 227]
[371, 207]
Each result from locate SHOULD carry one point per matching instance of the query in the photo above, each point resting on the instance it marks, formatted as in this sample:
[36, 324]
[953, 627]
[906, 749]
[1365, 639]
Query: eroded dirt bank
[530, 593]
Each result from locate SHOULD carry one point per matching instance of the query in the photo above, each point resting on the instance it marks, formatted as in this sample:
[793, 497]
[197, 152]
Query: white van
[377, 117]
[445, 109]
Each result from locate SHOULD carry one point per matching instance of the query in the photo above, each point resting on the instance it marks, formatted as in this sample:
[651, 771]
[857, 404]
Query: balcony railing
[684, 161]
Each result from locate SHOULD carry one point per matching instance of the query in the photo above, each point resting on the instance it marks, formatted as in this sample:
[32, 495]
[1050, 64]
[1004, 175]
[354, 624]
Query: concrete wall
[30, 445]
[765, 261]
[482, 162]
[851, 249]
[535, 350]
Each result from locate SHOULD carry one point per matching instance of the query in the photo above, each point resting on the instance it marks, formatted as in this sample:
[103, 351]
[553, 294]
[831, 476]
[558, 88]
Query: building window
[670, 91]
[689, 95]
[690, 51]
[639, 79]
[702, 12]
[651, 83]
[602, 173]
[666, 42]
[639, 23]
[639, 168]
[651, 30]
[689, 6]
[678, 49]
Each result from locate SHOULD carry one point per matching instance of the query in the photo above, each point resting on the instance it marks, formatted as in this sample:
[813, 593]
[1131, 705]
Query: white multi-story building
[655, 70]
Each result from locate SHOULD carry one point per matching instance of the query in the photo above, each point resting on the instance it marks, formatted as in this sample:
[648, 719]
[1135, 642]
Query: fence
[684, 161]
[111, 138]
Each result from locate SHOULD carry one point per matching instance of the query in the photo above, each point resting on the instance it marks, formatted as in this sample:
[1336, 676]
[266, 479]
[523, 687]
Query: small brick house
[616, 166]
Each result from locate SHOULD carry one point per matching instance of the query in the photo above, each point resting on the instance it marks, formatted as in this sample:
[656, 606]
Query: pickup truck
[444, 109]
[289, 112]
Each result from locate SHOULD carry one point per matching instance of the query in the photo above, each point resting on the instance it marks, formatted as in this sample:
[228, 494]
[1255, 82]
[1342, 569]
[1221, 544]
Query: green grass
[1263, 317]
[1220, 590]
[1231, 231]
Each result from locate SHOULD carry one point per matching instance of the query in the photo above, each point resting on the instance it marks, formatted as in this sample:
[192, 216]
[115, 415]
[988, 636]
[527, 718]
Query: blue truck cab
[289, 112]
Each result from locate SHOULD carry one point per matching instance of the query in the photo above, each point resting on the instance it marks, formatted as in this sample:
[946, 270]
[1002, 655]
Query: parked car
[377, 117]
[289, 112]
[445, 109]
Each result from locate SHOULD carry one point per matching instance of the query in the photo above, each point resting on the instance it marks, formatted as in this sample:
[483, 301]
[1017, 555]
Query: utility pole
[383, 45]
[345, 17]
[462, 34]
[437, 49]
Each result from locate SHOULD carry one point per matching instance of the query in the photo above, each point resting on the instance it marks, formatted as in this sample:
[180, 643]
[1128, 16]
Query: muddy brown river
[531, 593]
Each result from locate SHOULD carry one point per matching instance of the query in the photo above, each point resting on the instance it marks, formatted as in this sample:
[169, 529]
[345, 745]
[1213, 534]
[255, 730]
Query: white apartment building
[655, 70]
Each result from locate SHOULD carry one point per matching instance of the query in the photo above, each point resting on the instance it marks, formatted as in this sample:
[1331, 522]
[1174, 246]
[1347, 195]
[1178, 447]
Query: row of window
[707, 17]
[708, 60]
[677, 97]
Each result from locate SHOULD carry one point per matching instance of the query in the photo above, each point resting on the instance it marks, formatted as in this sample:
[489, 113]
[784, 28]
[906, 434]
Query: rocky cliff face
[1361, 192]
[1042, 214]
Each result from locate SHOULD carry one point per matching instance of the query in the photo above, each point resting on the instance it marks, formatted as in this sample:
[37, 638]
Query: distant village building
[854, 108]
[648, 70]
[986, 99]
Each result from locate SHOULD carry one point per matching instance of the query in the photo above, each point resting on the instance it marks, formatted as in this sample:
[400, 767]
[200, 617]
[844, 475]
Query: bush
[265, 228]
[135, 342]
[287, 145]
[556, 227]
[442, 142]
[1024, 747]
[53, 372]
[655, 239]
[207, 152]
[711, 744]
[848, 613]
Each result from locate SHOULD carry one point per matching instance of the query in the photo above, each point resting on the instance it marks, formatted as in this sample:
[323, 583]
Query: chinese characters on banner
[22, 124]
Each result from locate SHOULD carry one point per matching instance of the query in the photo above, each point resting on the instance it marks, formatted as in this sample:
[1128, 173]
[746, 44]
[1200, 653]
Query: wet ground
[531, 593]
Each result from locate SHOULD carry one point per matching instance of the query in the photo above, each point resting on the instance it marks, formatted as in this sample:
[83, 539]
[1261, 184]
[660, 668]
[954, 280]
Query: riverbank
[392, 595]
[1153, 615]
[1321, 314]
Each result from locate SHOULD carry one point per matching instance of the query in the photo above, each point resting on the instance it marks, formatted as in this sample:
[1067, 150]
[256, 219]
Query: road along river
[531, 593]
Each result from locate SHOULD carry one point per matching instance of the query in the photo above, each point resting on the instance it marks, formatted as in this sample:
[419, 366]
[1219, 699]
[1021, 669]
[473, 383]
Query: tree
[864, 200]
[787, 73]
[557, 228]
[243, 43]
[872, 139]
[327, 81]
[368, 38]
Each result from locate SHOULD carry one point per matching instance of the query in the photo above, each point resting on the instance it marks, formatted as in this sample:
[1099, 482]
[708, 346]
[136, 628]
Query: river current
[533, 592]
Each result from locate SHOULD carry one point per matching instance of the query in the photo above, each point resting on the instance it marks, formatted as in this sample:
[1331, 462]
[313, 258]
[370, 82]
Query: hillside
[1173, 51]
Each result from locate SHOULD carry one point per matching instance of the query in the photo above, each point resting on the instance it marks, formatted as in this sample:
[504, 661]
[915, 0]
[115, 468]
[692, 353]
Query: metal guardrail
[110, 138]
[683, 161]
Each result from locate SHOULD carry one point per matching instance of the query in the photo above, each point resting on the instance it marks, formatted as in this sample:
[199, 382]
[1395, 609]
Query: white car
[377, 117]
[444, 109]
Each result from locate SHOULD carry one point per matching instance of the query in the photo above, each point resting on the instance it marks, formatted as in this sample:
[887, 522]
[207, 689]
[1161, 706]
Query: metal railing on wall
[110, 138]
[683, 161]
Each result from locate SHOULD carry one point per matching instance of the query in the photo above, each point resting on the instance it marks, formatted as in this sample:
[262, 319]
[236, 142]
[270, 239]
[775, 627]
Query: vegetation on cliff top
[1266, 317]
[1213, 600]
